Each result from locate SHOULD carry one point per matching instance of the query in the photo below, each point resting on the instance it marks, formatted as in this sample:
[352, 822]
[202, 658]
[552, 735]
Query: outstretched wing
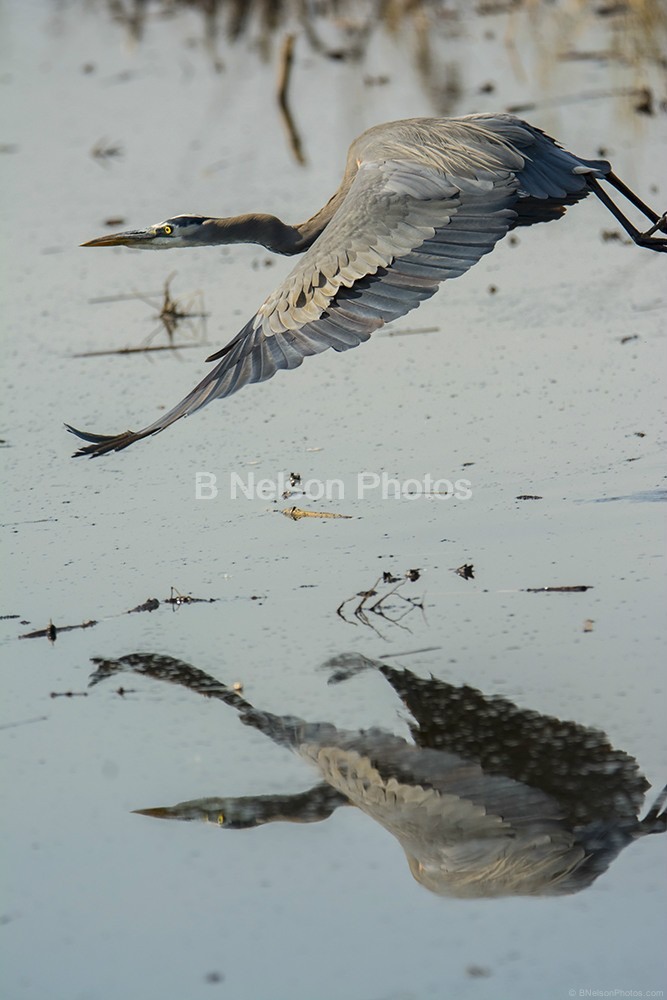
[402, 228]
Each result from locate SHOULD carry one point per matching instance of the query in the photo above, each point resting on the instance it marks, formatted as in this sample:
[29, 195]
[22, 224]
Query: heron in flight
[421, 201]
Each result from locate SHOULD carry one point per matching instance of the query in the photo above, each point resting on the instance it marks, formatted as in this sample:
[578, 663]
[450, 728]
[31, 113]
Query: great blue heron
[487, 799]
[421, 201]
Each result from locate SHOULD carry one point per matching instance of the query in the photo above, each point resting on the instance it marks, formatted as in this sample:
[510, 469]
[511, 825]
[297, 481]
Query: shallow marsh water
[551, 386]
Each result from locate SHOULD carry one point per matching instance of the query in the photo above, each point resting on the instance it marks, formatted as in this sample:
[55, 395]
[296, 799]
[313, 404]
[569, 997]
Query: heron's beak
[136, 238]
[160, 812]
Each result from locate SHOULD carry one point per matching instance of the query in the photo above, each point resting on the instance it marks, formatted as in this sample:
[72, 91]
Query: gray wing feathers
[548, 171]
[429, 199]
[364, 280]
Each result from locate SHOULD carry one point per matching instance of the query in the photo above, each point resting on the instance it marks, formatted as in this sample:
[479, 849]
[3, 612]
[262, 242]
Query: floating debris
[176, 599]
[645, 104]
[152, 604]
[529, 496]
[68, 694]
[478, 971]
[588, 625]
[381, 80]
[579, 589]
[294, 479]
[24, 722]
[296, 513]
[466, 571]
[410, 332]
[381, 607]
[51, 632]
[104, 150]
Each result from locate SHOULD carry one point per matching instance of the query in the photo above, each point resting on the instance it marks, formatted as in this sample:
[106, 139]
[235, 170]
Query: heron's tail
[102, 444]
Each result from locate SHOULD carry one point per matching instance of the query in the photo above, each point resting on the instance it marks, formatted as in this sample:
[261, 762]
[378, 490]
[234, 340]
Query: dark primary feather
[425, 200]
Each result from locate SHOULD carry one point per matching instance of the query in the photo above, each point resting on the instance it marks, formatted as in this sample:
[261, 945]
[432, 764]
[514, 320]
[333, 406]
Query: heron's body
[420, 201]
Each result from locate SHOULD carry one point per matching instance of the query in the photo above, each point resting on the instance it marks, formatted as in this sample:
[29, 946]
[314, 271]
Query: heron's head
[181, 231]
[221, 812]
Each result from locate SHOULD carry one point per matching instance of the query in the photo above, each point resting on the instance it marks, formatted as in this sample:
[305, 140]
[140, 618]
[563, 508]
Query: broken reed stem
[284, 73]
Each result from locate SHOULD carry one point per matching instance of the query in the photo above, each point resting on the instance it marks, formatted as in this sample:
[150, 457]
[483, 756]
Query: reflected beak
[135, 238]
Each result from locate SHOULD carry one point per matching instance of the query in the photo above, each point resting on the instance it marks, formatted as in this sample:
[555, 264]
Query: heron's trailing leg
[647, 239]
[632, 197]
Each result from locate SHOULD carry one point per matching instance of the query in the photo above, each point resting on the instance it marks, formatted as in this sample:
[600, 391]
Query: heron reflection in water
[420, 201]
[487, 800]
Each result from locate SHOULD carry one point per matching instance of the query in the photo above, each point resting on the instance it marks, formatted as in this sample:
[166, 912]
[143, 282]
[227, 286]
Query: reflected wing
[473, 835]
[402, 228]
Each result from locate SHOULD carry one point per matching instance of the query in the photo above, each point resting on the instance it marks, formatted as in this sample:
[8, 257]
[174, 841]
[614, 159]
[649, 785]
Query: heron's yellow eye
[167, 230]
[221, 820]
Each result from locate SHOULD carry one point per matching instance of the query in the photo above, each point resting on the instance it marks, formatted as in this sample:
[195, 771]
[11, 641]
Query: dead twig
[170, 312]
[24, 722]
[381, 607]
[639, 93]
[578, 589]
[410, 333]
[135, 350]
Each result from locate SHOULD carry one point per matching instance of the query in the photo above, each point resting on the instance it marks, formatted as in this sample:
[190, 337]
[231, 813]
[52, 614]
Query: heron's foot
[649, 240]
[659, 227]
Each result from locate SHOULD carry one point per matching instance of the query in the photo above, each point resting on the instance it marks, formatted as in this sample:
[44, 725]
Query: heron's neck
[266, 230]
[309, 230]
[270, 232]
